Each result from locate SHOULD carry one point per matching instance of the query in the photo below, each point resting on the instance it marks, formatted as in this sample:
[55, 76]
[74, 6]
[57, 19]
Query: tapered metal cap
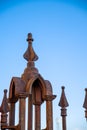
[85, 101]
[63, 101]
[4, 105]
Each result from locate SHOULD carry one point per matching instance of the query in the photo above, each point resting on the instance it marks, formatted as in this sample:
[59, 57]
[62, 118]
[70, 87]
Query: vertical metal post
[22, 109]
[63, 104]
[30, 114]
[3, 119]
[49, 111]
[12, 113]
[63, 114]
[4, 109]
[49, 115]
[37, 117]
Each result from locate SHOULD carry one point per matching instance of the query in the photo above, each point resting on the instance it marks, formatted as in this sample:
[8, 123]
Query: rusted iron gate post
[30, 85]
[33, 86]
[63, 104]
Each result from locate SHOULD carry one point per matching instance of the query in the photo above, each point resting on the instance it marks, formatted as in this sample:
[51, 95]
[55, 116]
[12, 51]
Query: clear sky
[60, 40]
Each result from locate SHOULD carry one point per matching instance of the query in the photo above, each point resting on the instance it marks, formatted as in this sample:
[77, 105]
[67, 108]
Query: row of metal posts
[62, 103]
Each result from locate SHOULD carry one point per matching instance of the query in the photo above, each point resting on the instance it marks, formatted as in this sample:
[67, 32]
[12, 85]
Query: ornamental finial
[4, 105]
[63, 101]
[30, 39]
[85, 103]
[30, 55]
[63, 104]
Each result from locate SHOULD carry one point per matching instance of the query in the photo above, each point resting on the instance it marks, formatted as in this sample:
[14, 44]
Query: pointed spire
[85, 103]
[4, 110]
[63, 104]
[4, 105]
[63, 101]
[30, 55]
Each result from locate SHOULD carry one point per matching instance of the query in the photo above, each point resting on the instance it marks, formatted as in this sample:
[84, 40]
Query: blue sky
[59, 29]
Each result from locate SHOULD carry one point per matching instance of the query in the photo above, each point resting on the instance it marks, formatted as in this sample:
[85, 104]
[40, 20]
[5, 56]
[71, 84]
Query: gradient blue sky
[59, 29]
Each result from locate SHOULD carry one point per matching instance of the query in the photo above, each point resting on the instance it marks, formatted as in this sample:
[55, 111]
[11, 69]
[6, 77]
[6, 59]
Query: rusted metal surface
[4, 110]
[22, 110]
[37, 117]
[32, 86]
[85, 103]
[63, 104]
[30, 112]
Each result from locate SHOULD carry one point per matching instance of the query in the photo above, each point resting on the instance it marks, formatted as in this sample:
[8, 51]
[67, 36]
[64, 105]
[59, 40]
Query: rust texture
[33, 87]
[4, 109]
[63, 104]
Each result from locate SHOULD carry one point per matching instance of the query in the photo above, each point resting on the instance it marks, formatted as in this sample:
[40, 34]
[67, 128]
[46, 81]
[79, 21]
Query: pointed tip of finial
[63, 87]
[5, 91]
[4, 106]
[63, 101]
[30, 39]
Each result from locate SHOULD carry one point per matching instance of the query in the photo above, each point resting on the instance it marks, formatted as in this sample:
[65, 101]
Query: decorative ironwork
[32, 86]
[4, 109]
[85, 103]
[63, 104]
